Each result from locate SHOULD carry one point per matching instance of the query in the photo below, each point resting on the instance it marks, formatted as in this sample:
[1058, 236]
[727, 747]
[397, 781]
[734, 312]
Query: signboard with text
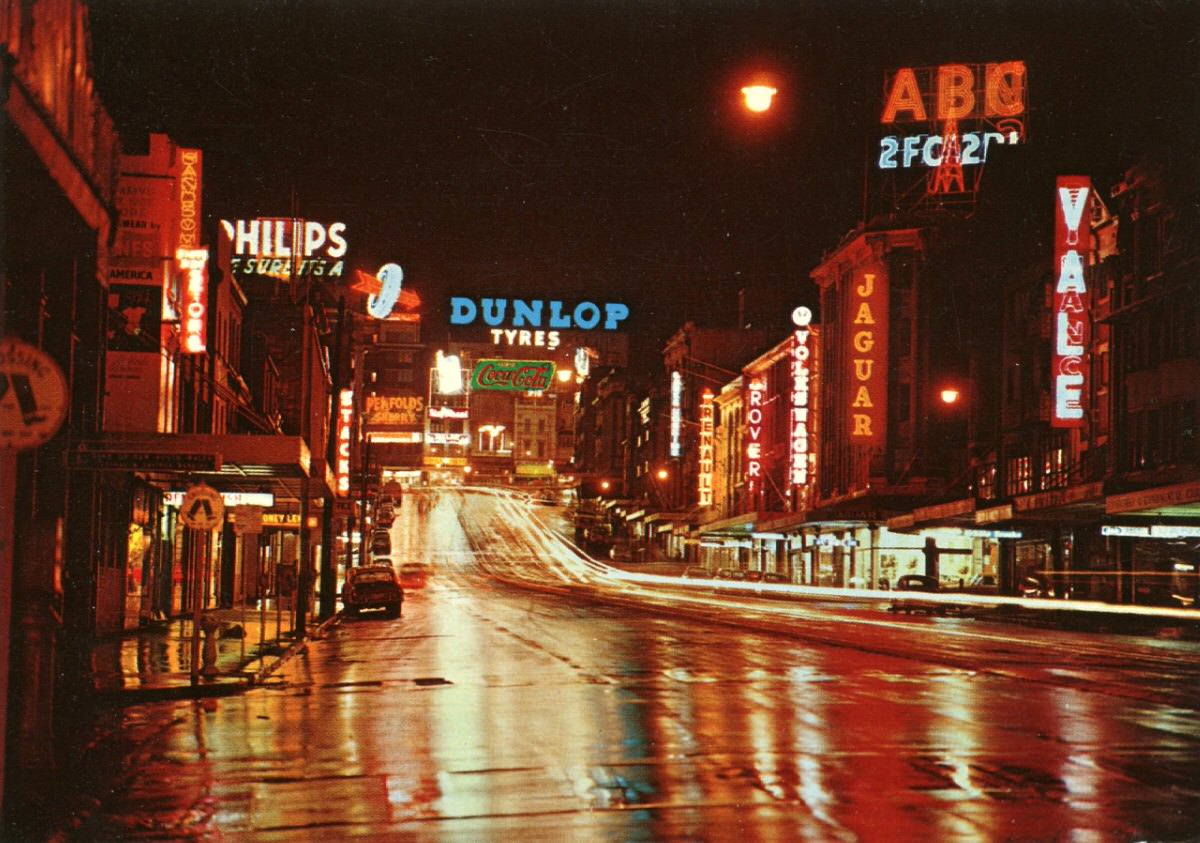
[513, 375]
[867, 333]
[1072, 242]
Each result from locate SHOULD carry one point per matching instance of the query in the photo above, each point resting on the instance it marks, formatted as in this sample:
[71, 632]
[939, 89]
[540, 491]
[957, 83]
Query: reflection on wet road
[493, 713]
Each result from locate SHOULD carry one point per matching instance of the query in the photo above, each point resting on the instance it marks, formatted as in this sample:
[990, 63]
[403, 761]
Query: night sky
[598, 149]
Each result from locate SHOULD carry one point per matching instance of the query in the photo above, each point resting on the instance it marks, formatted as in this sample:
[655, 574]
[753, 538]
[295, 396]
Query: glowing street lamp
[758, 98]
[950, 395]
[663, 474]
[605, 485]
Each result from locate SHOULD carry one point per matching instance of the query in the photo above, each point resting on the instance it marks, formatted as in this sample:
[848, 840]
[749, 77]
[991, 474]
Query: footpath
[155, 661]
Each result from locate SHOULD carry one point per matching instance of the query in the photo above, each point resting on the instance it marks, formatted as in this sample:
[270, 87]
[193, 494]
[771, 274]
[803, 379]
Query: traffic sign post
[33, 396]
[202, 507]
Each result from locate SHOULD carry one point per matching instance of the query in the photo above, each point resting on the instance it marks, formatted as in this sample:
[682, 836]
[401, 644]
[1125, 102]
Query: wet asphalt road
[489, 712]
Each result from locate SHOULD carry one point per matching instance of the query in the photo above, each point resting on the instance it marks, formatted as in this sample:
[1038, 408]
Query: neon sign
[585, 316]
[1072, 240]
[282, 248]
[802, 318]
[756, 393]
[345, 420]
[705, 477]
[513, 375]
[989, 98]
[194, 263]
[448, 369]
[189, 198]
[676, 413]
[868, 346]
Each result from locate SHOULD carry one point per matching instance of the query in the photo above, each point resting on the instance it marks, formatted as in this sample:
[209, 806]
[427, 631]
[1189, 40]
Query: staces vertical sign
[345, 423]
[1072, 236]
[867, 331]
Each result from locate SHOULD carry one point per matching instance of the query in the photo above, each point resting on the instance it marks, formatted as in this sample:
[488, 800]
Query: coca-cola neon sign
[1072, 236]
[513, 375]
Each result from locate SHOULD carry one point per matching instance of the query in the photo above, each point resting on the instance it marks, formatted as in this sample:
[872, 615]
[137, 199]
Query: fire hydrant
[210, 624]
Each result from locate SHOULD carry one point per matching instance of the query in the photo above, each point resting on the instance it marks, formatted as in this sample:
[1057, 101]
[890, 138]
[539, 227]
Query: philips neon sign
[1072, 236]
[802, 318]
[345, 421]
[282, 248]
[705, 477]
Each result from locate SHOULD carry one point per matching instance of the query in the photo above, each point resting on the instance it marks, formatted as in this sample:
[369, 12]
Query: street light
[758, 98]
[663, 474]
[950, 395]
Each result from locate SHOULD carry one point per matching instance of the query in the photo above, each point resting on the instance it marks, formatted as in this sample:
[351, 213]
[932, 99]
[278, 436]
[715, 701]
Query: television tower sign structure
[943, 123]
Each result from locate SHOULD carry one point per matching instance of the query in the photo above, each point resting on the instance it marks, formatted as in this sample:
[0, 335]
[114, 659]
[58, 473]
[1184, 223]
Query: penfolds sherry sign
[1072, 241]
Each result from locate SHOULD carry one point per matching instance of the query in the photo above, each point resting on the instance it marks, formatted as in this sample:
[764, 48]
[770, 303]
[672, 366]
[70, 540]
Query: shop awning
[1083, 502]
[1178, 500]
[959, 513]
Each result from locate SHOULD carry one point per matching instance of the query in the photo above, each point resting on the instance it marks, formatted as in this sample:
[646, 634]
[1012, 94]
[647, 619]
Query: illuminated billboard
[951, 117]
[676, 413]
[394, 412]
[285, 248]
[706, 462]
[513, 375]
[533, 314]
[193, 263]
[756, 392]
[867, 331]
[345, 424]
[1072, 241]
[801, 352]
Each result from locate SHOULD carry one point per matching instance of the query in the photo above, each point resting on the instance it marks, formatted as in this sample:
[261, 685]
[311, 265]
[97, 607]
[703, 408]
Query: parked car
[371, 587]
[775, 576]
[916, 582]
[731, 574]
[1035, 586]
[695, 572]
[982, 584]
[414, 574]
[381, 543]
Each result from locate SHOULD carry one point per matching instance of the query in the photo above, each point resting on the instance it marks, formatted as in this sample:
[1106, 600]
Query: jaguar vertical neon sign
[1072, 241]
[705, 477]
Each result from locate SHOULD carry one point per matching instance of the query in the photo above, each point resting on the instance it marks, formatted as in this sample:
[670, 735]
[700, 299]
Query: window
[1019, 477]
[1054, 466]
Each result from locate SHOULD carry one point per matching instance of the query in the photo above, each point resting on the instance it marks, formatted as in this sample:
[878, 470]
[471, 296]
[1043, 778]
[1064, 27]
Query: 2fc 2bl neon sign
[1072, 241]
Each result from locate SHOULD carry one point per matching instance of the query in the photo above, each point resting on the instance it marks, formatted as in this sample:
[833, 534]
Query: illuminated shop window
[1019, 479]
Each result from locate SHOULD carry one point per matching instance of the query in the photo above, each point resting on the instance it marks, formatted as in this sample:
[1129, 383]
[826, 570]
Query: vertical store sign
[345, 422]
[868, 313]
[676, 413]
[1072, 235]
[802, 319]
[755, 394]
[190, 257]
[705, 480]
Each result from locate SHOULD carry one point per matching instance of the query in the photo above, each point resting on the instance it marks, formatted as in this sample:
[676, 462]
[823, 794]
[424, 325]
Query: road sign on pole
[33, 395]
[202, 507]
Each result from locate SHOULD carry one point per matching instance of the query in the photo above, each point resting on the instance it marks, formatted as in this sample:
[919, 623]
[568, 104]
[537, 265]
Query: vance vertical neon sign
[1072, 242]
